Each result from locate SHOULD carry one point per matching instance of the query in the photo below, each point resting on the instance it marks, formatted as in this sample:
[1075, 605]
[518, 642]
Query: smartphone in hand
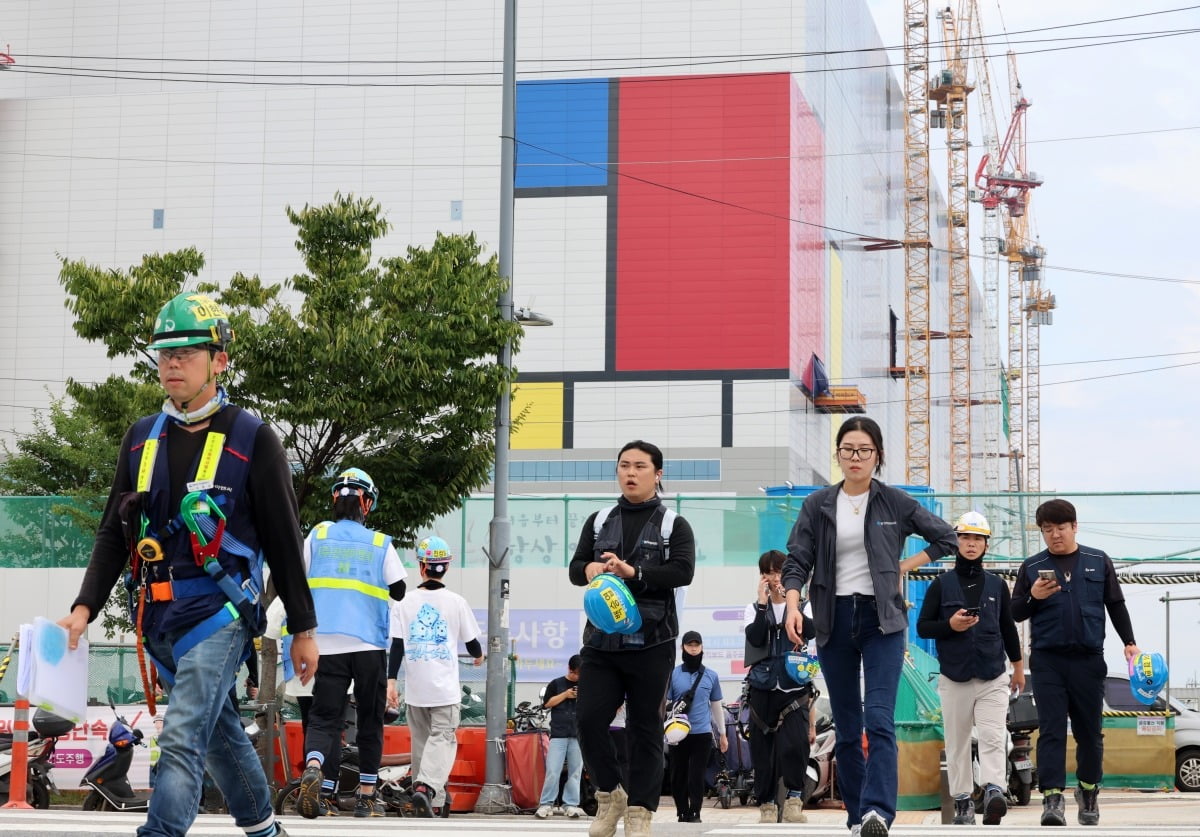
[971, 611]
[1046, 575]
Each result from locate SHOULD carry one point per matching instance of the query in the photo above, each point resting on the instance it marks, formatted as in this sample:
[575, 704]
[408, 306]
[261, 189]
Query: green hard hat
[191, 319]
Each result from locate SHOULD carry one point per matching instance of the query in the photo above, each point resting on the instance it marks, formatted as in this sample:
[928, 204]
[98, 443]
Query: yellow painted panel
[541, 425]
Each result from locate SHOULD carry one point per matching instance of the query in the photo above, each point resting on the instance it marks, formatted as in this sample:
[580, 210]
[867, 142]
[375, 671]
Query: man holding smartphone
[967, 612]
[1064, 591]
[559, 697]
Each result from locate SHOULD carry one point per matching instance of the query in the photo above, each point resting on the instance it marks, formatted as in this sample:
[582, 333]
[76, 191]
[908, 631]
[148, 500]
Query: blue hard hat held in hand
[1147, 677]
[610, 606]
[800, 667]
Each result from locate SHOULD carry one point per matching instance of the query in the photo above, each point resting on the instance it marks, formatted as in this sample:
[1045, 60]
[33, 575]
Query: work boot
[366, 805]
[1088, 802]
[610, 808]
[995, 806]
[768, 812]
[637, 821]
[422, 800]
[964, 811]
[1054, 810]
[308, 801]
[793, 810]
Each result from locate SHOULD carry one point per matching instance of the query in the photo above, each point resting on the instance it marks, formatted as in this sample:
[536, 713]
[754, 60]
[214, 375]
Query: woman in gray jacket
[847, 544]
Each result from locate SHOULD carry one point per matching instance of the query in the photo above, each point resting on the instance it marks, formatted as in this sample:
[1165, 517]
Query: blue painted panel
[562, 126]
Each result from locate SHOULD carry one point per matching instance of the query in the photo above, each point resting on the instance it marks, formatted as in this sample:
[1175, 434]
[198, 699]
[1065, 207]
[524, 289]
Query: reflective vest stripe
[348, 584]
[213, 446]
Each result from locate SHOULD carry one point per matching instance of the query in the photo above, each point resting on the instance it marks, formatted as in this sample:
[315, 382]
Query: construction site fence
[114, 677]
[1160, 528]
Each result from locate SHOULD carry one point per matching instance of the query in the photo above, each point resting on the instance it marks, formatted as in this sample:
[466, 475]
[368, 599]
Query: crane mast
[916, 241]
[988, 384]
[950, 92]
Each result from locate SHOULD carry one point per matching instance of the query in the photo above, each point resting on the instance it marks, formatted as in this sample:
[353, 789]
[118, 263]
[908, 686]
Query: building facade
[697, 184]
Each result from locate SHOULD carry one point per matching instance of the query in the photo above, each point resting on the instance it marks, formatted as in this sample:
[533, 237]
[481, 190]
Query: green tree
[387, 364]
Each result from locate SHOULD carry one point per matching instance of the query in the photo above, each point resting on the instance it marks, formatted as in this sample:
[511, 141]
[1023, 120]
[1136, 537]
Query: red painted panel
[808, 240]
[703, 249]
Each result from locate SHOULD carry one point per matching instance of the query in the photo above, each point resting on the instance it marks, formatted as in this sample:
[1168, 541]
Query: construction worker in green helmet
[202, 497]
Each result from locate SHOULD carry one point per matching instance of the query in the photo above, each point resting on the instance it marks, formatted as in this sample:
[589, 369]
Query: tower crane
[1005, 181]
[949, 91]
[916, 241]
[995, 214]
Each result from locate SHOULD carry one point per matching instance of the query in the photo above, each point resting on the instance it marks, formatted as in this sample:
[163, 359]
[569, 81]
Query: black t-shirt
[562, 716]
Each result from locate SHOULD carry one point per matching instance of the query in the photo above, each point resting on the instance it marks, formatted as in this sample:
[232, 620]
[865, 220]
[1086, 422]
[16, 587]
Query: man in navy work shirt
[1064, 591]
[564, 744]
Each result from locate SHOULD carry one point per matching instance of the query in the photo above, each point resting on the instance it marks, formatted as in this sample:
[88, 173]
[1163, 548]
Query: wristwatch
[311, 633]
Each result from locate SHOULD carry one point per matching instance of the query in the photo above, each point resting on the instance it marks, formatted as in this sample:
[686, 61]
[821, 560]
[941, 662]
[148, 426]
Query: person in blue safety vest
[966, 613]
[353, 572]
[428, 627]
[202, 496]
[1064, 592]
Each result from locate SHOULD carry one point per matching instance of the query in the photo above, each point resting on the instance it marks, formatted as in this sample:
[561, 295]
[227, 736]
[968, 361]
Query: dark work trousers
[785, 747]
[639, 678]
[622, 744]
[689, 758]
[1070, 684]
[368, 670]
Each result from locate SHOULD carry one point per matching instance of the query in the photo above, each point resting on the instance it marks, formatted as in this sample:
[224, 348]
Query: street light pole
[495, 796]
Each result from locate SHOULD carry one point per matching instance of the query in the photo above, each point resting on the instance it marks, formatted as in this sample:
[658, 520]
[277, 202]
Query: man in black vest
[966, 611]
[631, 541]
[1064, 591]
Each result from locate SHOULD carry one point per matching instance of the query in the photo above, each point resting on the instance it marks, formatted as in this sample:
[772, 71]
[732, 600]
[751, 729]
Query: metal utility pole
[496, 796]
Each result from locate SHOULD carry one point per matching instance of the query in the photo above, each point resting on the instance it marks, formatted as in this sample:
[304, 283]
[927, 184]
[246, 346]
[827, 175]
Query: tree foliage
[386, 364]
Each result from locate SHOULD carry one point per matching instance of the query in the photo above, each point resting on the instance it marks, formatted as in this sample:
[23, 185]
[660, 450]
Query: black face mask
[691, 662]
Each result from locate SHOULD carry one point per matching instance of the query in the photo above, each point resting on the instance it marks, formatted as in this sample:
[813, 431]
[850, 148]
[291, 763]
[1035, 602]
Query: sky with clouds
[1114, 131]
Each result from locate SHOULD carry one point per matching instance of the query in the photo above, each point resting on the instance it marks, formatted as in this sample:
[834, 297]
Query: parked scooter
[820, 783]
[42, 738]
[1022, 721]
[108, 778]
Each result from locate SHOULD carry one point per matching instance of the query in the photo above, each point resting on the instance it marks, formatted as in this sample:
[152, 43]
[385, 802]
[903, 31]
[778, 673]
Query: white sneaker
[574, 812]
[873, 825]
[543, 812]
[855, 830]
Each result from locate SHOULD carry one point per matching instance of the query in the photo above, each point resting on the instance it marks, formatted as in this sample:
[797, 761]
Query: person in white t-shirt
[427, 627]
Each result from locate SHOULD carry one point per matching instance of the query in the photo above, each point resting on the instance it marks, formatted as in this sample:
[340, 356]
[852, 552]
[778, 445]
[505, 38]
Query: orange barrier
[18, 775]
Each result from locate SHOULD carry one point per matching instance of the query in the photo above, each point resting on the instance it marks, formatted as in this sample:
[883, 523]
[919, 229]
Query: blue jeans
[562, 749]
[866, 784]
[202, 728]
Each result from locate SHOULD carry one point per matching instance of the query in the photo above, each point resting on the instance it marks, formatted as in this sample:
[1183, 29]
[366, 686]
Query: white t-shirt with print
[434, 624]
